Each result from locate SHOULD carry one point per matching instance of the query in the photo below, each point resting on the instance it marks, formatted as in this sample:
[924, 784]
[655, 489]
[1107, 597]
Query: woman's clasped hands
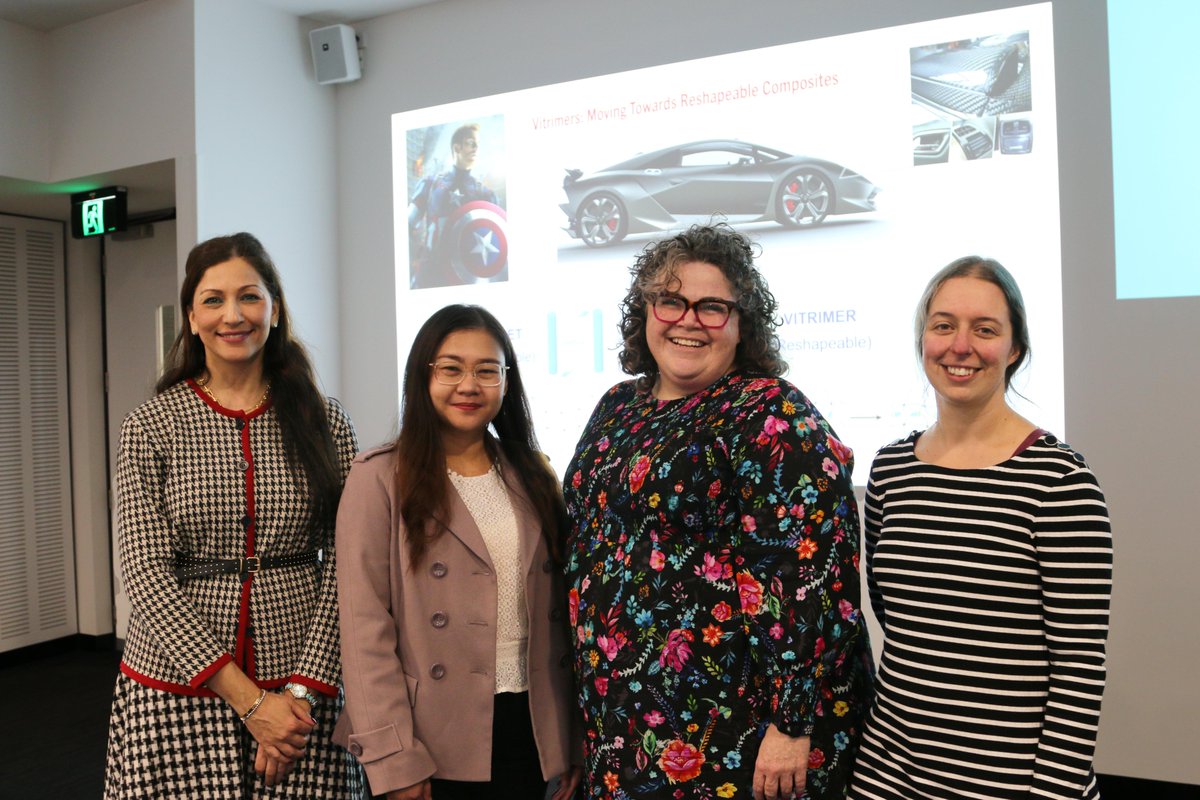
[281, 726]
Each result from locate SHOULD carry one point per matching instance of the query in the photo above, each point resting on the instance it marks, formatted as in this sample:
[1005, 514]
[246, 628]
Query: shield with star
[478, 242]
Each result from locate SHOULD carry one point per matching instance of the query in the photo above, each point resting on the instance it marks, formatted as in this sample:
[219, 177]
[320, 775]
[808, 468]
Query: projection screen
[860, 164]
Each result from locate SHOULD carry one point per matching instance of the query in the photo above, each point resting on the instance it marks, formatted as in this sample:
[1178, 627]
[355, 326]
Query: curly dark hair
[732, 253]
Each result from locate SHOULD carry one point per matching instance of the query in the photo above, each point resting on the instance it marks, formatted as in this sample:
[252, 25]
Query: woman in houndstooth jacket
[228, 482]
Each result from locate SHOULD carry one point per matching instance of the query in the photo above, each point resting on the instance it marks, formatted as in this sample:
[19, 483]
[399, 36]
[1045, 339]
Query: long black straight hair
[421, 485]
[300, 406]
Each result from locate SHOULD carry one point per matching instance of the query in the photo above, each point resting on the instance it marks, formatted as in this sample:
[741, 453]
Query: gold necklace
[202, 382]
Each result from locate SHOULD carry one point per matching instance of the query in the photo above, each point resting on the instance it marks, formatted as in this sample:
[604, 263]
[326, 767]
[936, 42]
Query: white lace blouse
[490, 507]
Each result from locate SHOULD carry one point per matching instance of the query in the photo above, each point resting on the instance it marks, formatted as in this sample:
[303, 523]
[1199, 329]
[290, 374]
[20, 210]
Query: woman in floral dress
[713, 552]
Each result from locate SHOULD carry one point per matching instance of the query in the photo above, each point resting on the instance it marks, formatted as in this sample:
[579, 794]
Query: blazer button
[355, 749]
[437, 672]
[243, 465]
[438, 570]
[439, 620]
[547, 565]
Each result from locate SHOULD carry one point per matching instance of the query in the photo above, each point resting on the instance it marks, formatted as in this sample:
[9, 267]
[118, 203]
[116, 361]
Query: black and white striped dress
[992, 587]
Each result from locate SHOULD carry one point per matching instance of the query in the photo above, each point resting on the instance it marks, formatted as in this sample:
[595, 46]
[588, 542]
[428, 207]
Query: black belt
[187, 566]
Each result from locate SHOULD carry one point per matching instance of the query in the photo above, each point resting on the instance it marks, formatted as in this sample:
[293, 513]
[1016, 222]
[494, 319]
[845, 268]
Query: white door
[140, 277]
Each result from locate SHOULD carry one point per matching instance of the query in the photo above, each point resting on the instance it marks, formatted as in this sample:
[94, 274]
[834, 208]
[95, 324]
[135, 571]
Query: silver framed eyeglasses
[451, 373]
[711, 312]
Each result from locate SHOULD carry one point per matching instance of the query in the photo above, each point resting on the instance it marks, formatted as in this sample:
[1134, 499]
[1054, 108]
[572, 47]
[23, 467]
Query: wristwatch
[301, 692]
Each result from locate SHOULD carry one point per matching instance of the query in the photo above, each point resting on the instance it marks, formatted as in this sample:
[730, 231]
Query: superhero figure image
[456, 224]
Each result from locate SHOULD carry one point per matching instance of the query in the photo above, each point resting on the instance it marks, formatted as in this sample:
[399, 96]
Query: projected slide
[859, 164]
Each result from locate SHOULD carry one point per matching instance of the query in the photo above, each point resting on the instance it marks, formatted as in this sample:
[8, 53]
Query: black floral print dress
[713, 581]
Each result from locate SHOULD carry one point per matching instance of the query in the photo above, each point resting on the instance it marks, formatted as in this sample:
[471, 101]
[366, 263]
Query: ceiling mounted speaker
[335, 54]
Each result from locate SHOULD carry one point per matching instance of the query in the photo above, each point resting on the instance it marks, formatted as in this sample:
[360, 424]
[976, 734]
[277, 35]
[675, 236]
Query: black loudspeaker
[335, 54]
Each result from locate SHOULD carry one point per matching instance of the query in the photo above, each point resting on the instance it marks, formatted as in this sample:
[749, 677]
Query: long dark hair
[303, 417]
[732, 253]
[421, 485]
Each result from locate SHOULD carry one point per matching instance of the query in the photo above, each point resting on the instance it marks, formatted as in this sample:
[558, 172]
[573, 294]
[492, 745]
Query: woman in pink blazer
[455, 655]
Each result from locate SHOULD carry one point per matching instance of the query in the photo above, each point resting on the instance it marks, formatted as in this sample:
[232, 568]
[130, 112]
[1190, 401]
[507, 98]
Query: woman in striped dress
[989, 565]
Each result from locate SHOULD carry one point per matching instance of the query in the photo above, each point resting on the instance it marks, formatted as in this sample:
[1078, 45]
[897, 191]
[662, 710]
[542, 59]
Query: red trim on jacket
[243, 650]
[208, 672]
[245, 639]
[194, 691]
[229, 412]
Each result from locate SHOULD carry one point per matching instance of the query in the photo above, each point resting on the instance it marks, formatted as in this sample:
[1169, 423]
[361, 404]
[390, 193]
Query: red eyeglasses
[711, 312]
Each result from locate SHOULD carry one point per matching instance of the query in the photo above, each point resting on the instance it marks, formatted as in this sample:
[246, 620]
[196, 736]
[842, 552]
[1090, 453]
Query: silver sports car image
[743, 181]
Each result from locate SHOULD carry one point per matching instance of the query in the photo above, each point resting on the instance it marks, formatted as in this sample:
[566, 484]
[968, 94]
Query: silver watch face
[298, 691]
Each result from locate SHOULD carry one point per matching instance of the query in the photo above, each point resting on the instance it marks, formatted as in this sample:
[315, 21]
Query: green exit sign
[99, 211]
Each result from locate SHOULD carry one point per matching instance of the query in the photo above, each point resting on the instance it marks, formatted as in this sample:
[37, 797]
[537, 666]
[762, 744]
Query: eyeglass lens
[484, 374]
[711, 312]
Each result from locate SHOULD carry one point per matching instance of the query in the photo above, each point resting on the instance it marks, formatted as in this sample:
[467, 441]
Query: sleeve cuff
[388, 763]
[202, 677]
[794, 716]
[314, 684]
[792, 726]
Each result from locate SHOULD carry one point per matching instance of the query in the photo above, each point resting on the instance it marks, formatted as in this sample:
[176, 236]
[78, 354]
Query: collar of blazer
[463, 527]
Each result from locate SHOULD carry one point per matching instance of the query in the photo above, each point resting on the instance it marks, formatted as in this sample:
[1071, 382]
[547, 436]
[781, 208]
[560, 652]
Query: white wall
[140, 278]
[121, 89]
[1131, 371]
[24, 98]
[265, 157]
[89, 476]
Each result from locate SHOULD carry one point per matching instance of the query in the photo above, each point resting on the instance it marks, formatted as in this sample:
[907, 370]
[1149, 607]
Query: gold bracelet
[249, 713]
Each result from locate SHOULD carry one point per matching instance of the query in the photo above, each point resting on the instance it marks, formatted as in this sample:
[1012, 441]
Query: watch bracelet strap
[312, 697]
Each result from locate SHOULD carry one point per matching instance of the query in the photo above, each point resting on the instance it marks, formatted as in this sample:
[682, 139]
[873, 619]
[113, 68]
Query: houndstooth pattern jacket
[197, 478]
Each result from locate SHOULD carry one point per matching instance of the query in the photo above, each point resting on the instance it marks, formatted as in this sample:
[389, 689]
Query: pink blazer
[419, 644]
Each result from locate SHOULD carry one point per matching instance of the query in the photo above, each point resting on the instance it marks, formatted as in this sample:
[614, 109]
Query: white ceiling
[46, 15]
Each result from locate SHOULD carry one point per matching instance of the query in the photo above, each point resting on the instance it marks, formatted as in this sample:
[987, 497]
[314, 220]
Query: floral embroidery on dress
[713, 590]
